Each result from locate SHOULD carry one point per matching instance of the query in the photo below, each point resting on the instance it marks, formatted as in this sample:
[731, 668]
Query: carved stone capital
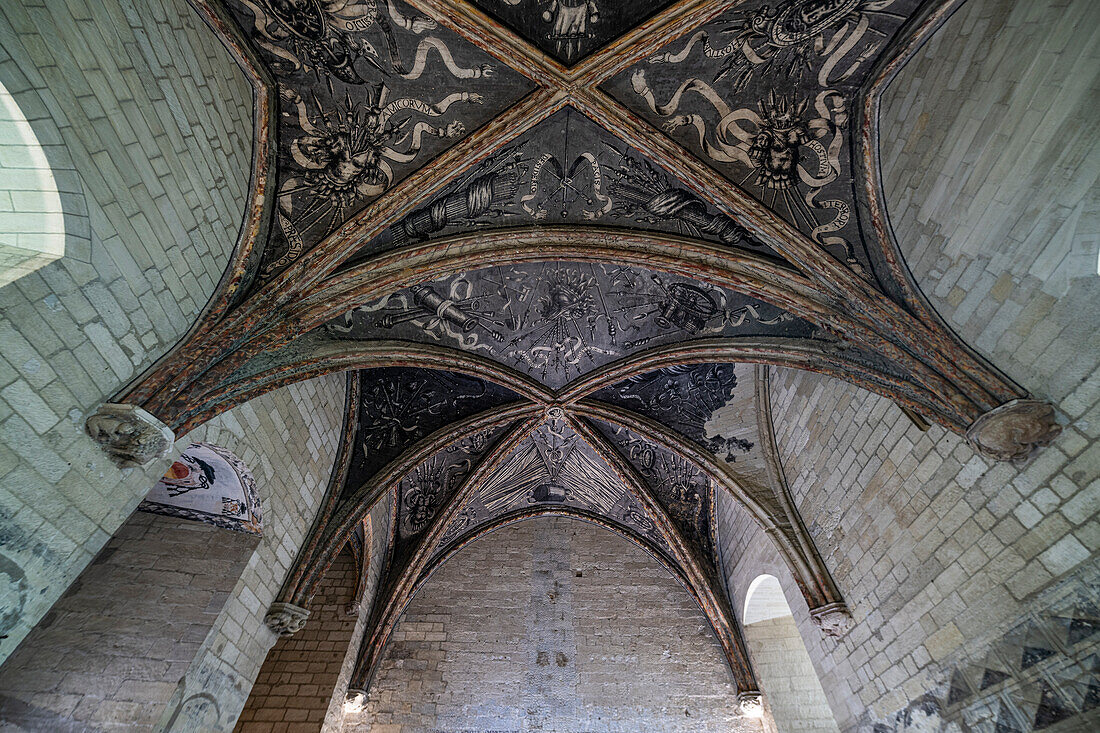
[750, 704]
[285, 619]
[129, 435]
[834, 619]
[1013, 431]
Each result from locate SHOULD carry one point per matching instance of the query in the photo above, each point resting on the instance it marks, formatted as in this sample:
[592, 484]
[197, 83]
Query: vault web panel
[400, 406]
[567, 170]
[426, 490]
[686, 493]
[554, 468]
[368, 93]
[570, 30]
[558, 320]
[763, 94]
[685, 399]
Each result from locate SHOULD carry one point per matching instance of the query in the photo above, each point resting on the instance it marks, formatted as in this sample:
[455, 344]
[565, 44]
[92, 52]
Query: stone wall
[552, 624]
[991, 169]
[294, 686]
[288, 439]
[954, 565]
[787, 678]
[939, 553]
[109, 653]
[792, 691]
[147, 122]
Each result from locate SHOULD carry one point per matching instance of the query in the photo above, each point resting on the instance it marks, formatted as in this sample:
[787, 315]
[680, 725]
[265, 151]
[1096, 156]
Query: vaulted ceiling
[557, 239]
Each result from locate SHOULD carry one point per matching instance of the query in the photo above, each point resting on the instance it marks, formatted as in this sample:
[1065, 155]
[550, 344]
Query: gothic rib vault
[556, 257]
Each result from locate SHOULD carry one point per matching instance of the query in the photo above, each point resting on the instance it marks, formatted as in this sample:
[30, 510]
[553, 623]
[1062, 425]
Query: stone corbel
[1015, 430]
[355, 700]
[286, 619]
[750, 704]
[129, 435]
[834, 619]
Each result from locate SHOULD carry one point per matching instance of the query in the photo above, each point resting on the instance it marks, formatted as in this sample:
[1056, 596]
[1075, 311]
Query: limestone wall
[787, 677]
[556, 625]
[940, 554]
[954, 565]
[990, 148]
[295, 684]
[147, 122]
[288, 439]
[109, 653]
[380, 523]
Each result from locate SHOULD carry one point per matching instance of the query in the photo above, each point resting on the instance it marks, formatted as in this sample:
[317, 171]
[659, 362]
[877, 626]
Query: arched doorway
[783, 666]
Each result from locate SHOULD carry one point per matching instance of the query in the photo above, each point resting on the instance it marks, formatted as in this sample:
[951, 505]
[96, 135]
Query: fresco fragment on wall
[368, 93]
[557, 469]
[1043, 675]
[558, 320]
[13, 593]
[400, 406]
[764, 94]
[570, 30]
[208, 484]
[567, 170]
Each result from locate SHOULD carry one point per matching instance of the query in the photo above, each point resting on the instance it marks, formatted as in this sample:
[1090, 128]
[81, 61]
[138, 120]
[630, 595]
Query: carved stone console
[833, 619]
[751, 704]
[355, 700]
[286, 619]
[129, 435]
[1013, 431]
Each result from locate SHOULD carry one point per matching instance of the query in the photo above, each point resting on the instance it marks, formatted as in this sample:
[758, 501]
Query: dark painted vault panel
[685, 398]
[368, 93]
[686, 493]
[570, 30]
[764, 94]
[399, 406]
[555, 468]
[427, 489]
[567, 170]
[558, 320]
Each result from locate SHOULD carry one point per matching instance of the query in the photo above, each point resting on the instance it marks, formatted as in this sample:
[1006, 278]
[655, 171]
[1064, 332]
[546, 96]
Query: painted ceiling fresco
[755, 96]
[557, 469]
[567, 170]
[685, 492]
[558, 320]
[400, 406]
[763, 94]
[570, 30]
[424, 492]
[368, 93]
[684, 398]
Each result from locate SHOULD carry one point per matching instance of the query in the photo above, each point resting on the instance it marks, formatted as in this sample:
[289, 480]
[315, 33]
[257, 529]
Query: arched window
[32, 225]
[783, 666]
